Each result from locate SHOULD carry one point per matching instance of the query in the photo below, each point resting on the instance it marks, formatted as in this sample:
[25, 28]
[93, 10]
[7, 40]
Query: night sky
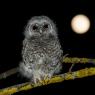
[15, 16]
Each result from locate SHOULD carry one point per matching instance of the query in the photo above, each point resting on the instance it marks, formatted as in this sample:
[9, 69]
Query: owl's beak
[40, 31]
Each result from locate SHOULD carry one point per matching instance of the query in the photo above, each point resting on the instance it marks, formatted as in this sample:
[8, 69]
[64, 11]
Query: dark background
[14, 17]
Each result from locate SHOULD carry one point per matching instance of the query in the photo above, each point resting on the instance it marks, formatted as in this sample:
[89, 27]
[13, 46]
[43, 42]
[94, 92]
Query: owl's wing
[24, 45]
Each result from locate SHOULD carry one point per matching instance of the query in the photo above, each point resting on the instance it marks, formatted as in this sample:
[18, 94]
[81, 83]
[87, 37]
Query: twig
[78, 60]
[8, 73]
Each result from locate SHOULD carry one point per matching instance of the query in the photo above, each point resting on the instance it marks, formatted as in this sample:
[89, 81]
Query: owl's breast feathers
[35, 49]
[47, 45]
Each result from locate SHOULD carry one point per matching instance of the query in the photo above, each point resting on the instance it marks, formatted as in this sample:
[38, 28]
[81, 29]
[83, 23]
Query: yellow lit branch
[78, 60]
[59, 78]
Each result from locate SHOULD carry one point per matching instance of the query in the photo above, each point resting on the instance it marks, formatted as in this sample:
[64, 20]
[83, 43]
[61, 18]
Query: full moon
[80, 24]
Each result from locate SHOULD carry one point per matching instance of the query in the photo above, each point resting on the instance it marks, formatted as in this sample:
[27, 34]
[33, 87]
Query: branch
[58, 78]
[78, 60]
[9, 73]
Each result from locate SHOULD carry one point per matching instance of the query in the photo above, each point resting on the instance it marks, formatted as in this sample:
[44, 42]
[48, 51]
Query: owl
[41, 51]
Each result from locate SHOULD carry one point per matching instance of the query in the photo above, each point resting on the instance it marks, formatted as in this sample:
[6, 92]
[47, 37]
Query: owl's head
[40, 26]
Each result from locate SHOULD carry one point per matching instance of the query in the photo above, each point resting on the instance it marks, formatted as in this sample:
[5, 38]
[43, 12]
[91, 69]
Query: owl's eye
[35, 27]
[46, 26]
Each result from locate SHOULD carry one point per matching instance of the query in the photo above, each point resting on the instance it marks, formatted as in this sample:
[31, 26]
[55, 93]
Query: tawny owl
[41, 53]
